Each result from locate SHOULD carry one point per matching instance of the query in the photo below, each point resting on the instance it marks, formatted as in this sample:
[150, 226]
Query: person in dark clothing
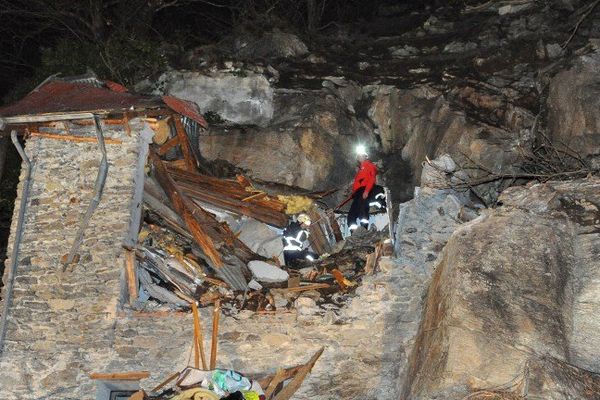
[364, 181]
[294, 237]
[377, 198]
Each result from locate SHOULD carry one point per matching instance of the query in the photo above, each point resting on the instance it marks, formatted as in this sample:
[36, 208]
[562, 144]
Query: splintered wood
[231, 195]
[189, 213]
[373, 258]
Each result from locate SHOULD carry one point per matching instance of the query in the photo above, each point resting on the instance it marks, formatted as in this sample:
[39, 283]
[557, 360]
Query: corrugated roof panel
[57, 96]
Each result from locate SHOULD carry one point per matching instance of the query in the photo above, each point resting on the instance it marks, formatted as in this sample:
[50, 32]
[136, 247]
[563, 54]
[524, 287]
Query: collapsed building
[120, 222]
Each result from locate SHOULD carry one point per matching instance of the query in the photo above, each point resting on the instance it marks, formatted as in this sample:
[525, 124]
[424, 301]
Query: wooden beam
[313, 286]
[73, 138]
[279, 377]
[122, 376]
[188, 154]
[132, 283]
[183, 206]
[199, 338]
[288, 391]
[165, 382]
[168, 145]
[215, 334]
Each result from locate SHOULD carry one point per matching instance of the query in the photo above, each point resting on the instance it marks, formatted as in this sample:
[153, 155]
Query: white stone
[261, 238]
[240, 99]
[265, 272]
[512, 9]
[254, 285]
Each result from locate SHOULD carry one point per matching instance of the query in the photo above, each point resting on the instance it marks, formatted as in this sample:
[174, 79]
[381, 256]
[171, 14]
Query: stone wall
[61, 323]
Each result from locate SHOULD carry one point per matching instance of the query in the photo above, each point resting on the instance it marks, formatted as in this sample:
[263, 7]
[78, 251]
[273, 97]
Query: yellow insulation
[295, 204]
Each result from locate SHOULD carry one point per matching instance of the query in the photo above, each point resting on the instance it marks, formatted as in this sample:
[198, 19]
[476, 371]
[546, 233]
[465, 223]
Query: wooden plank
[132, 282]
[152, 314]
[279, 377]
[224, 185]
[123, 376]
[373, 259]
[139, 395]
[184, 208]
[215, 334]
[169, 144]
[319, 240]
[314, 286]
[288, 391]
[73, 138]
[164, 383]
[254, 196]
[188, 154]
[259, 213]
[335, 227]
[198, 337]
[287, 374]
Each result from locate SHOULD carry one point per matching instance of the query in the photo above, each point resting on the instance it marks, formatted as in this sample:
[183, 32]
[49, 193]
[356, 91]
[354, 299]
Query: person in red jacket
[361, 189]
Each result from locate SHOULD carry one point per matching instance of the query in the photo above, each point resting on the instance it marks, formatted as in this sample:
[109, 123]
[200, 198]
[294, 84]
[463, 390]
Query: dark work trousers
[359, 210]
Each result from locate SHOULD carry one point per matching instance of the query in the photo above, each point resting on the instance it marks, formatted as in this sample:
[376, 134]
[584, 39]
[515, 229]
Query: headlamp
[361, 150]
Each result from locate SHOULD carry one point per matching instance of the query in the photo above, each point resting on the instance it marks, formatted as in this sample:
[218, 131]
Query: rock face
[422, 122]
[573, 103]
[309, 142]
[511, 290]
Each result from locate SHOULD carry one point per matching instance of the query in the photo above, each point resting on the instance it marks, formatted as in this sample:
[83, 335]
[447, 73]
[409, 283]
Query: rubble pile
[172, 273]
[206, 239]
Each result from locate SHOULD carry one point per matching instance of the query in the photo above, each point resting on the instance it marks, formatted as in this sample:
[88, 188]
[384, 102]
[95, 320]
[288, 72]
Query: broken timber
[231, 196]
[224, 252]
[185, 208]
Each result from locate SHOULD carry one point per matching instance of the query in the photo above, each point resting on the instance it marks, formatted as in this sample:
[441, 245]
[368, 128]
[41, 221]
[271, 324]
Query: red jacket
[365, 177]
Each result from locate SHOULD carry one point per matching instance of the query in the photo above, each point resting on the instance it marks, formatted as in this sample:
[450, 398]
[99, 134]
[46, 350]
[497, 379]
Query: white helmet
[304, 219]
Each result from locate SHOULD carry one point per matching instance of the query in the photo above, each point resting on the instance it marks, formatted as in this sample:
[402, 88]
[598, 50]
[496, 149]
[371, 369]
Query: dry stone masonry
[61, 323]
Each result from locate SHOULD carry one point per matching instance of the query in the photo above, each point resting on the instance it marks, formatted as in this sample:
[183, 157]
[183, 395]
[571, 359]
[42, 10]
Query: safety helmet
[304, 219]
[361, 150]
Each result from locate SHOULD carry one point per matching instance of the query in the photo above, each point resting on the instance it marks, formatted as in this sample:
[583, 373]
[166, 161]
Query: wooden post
[215, 334]
[132, 283]
[122, 376]
[189, 156]
[198, 339]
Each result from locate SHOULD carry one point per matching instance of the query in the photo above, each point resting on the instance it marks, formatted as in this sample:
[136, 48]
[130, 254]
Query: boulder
[260, 238]
[512, 300]
[421, 122]
[265, 272]
[309, 143]
[495, 301]
[238, 97]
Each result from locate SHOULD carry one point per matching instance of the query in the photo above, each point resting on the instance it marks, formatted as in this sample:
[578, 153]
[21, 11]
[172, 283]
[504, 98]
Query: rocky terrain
[497, 246]
[484, 121]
